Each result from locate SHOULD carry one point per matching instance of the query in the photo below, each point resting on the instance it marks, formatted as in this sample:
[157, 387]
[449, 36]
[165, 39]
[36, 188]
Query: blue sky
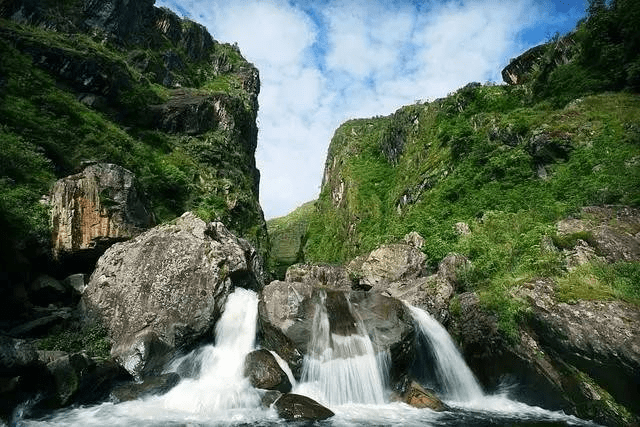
[323, 62]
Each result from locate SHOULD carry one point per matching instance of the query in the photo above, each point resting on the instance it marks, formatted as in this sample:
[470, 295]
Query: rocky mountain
[140, 115]
[529, 192]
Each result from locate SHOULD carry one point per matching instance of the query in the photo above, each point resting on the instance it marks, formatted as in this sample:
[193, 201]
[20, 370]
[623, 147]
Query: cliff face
[129, 84]
[508, 176]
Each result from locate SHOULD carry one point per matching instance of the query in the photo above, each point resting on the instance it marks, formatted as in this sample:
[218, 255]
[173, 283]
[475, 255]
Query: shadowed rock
[294, 407]
[263, 371]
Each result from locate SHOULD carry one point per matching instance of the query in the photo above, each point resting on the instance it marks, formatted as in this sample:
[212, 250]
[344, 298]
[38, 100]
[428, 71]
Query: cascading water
[452, 373]
[221, 383]
[343, 368]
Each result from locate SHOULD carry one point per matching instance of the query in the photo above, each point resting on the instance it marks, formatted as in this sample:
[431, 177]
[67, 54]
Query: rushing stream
[341, 371]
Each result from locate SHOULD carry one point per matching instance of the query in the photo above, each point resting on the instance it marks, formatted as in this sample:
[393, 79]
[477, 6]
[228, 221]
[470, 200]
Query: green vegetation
[510, 161]
[287, 239]
[92, 339]
[47, 132]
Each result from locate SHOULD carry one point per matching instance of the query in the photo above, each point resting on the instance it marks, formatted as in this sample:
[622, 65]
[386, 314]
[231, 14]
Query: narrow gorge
[470, 261]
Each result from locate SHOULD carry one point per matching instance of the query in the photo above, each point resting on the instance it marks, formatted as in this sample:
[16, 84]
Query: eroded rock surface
[165, 289]
[96, 208]
[329, 276]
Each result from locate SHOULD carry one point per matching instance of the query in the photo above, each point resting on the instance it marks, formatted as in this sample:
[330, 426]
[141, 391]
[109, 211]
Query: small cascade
[452, 373]
[341, 363]
[221, 384]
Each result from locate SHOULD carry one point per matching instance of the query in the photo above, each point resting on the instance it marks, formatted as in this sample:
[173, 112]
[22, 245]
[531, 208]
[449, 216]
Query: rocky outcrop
[286, 311]
[599, 338]
[327, 276]
[559, 360]
[96, 208]
[295, 407]
[610, 233]
[390, 263]
[432, 293]
[520, 69]
[263, 371]
[165, 289]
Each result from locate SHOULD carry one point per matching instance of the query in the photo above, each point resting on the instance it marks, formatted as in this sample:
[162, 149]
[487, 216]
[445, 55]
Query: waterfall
[221, 383]
[342, 366]
[452, 373]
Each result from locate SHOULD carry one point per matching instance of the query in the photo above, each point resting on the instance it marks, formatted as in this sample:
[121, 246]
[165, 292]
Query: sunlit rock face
[166, 288]
[95, 208]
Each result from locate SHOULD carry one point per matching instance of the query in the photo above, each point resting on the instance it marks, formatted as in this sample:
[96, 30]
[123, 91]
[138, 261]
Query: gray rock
[96, 208]
[270, 397]
[414, 239]
[295, 407]
[165, 289]
[286, 312]
[78, 378]
[150, 386]
[599, 338]
[77, 282]
[391, 263]
[328, 276]
[121, 18]
[264, 372]
[433, 293]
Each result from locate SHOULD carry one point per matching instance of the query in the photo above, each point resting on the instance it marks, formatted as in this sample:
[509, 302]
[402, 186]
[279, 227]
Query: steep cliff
[129, 84]
[524, 180]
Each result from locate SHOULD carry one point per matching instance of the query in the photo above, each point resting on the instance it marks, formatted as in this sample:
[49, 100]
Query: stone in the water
[263, 371]
[301, 408]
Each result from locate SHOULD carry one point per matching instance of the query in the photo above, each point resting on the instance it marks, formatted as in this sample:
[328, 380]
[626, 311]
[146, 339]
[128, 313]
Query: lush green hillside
[80, 85]
[509, 161]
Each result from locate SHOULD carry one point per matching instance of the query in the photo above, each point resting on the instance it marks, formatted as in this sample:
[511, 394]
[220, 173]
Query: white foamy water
[453, 375]
[342, 372]
[341, 369]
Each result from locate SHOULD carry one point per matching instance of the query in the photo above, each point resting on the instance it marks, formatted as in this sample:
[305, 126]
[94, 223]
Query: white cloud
[355, 58]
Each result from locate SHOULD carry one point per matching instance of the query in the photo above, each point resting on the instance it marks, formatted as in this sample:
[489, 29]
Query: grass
[46, 133]
[477, 156]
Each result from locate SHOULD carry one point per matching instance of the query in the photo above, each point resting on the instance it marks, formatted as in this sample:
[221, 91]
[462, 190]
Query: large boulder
[96, 208]
[600, 338]
[264, 372]
[166, 288]
[391, 263]
[328, 276]
[610, 233]
[432, 293]
[295, 407]
[286, 312]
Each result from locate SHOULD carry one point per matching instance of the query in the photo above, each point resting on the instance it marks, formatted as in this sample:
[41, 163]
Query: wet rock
[286, 312]
[42, 325]
[22, 374]
[77, 282]
[264, 372]
[166, 288]
[433, 293]
[294, 407]
[270, 397]
[80, 379]
[94, 209]
[154, 385]
[421, 398]
[328, 276]
[599, 338]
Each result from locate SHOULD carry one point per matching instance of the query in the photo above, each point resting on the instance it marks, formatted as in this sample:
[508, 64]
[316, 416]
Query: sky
[323, 62]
